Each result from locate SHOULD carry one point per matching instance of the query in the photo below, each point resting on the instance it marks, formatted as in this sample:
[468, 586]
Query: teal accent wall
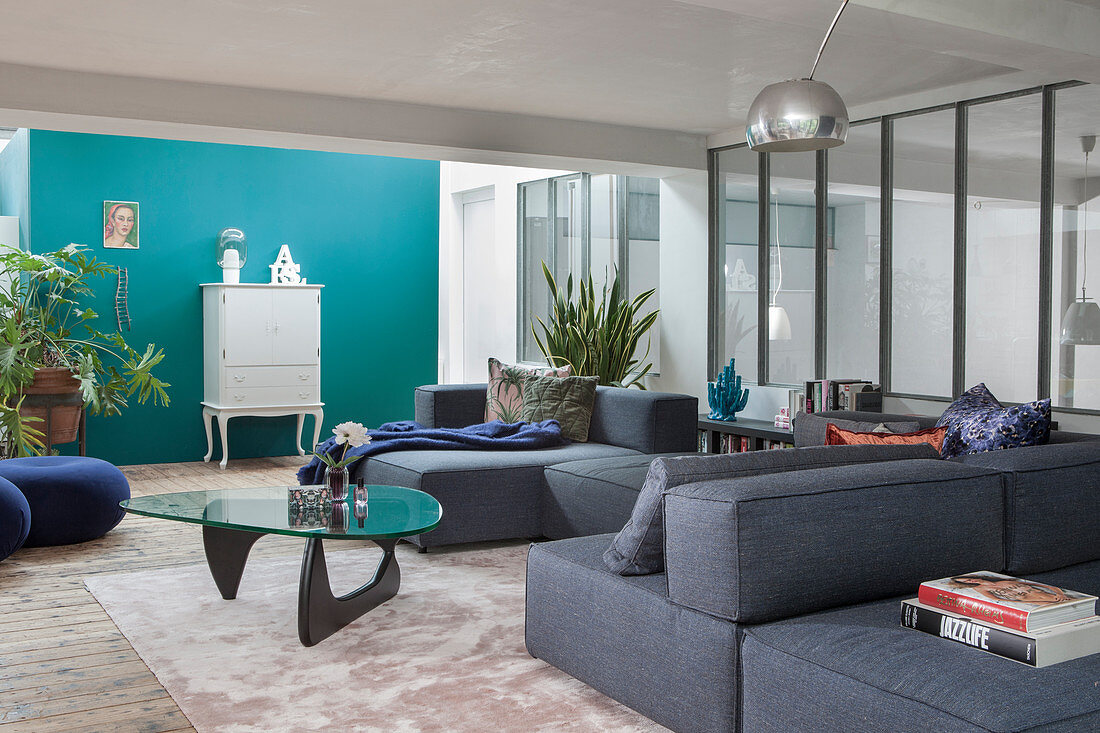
[365, 227]
[14, 188]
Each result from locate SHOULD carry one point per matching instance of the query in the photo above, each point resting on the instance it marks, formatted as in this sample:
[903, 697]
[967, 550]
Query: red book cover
[1003, 600]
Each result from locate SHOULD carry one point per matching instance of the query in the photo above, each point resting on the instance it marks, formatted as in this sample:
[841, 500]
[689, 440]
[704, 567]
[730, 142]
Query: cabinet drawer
[272, 376]
[258, 396]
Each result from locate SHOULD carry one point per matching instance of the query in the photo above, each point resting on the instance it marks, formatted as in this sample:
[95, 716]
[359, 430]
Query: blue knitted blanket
[409, 435]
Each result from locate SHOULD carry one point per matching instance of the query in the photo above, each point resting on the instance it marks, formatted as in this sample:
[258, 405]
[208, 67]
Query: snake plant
[596, 337]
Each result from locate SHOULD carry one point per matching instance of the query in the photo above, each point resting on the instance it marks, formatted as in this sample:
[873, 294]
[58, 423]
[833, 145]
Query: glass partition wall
[936, 249]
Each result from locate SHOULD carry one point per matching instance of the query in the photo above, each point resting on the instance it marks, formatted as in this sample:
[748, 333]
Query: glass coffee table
[233, 519]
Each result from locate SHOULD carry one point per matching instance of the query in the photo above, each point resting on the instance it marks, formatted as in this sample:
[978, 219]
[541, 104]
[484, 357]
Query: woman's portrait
[1011, 589]
[120, 224]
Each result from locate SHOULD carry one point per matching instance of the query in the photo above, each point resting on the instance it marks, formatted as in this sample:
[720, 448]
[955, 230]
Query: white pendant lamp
[1081, 322]
[779, 323]
[799, 114]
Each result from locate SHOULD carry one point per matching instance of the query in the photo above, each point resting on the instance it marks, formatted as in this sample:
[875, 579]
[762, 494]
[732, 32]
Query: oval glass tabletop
[298, 511]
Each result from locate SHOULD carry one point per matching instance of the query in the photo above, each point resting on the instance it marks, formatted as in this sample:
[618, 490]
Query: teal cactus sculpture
[725, 395]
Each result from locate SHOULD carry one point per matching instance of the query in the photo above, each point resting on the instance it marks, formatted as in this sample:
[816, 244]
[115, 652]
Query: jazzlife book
[1054, 644]
[1002, 600]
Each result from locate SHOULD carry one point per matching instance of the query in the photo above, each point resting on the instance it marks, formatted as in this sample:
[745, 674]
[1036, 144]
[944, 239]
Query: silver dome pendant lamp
[1081, 322]
[797, 115]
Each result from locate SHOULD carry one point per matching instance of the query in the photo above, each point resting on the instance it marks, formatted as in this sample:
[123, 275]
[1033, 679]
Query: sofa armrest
[450, 405]
[762, 548]
[649, 422]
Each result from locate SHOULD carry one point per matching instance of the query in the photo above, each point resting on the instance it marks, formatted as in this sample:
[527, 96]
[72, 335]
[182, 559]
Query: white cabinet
[261, 356]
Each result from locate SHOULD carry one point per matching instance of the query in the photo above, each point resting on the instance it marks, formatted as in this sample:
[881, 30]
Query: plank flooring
[64, 665]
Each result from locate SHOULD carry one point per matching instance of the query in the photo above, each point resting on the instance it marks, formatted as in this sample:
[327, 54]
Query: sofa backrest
[809, 428]
[649, 422]
[1052, 503]
[761, 548]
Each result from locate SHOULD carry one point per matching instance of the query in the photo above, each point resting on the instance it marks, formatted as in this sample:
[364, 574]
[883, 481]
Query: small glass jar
[336, 479]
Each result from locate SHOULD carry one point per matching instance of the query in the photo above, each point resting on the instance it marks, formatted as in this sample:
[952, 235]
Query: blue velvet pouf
[15, 518]
[71, 498]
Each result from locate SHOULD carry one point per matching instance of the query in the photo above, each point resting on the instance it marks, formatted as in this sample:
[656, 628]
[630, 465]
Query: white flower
[352, 433]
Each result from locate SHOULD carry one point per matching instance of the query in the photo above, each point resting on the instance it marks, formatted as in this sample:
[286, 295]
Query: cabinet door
[249, 327]
[297, 326]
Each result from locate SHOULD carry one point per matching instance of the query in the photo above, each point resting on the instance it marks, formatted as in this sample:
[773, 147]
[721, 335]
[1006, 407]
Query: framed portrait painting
[120, 224]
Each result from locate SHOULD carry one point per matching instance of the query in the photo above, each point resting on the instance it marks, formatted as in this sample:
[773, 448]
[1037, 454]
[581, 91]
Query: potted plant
[49, 345]
[596, 338]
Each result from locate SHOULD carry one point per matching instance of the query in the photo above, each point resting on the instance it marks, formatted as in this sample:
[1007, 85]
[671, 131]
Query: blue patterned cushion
[977, 422]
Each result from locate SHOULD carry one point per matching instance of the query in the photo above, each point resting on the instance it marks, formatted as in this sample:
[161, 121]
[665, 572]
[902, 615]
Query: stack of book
[842, 394]
[1022, 620]
[783, 419]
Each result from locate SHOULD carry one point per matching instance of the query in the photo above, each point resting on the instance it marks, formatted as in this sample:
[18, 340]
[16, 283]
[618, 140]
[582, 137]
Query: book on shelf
[744, 443]
[840, 394]
[1005, 601]
[1041, 648]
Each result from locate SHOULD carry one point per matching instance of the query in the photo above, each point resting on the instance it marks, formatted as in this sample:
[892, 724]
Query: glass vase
[336, 479]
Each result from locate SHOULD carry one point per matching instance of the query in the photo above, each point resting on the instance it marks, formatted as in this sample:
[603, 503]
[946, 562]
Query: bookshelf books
[1002, 600]
[842, 394]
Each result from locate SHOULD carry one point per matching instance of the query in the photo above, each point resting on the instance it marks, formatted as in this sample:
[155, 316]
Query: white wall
[683, 257]
[498, 276]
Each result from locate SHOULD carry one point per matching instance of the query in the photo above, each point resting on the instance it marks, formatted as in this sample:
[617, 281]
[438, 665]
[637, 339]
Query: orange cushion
[840, 436]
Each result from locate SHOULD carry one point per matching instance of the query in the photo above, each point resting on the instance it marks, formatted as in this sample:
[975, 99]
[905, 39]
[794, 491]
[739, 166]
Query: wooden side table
[50, 401]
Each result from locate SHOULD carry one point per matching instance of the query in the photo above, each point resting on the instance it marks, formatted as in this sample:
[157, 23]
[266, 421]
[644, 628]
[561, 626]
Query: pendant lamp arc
[798, 115]
[1081, 322]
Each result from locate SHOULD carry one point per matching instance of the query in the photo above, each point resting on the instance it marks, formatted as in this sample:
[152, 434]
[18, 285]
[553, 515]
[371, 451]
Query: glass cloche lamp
[232, 251]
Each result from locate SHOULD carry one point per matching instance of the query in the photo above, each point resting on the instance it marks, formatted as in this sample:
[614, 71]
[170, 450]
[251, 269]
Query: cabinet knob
[303, 395]
[238, 397]
[238, 377]
[303, 376]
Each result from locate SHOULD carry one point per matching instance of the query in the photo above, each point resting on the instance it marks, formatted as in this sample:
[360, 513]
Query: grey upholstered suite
[778, 609]
[490, 495]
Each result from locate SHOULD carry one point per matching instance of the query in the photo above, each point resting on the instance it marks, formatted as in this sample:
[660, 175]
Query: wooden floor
[64, 665]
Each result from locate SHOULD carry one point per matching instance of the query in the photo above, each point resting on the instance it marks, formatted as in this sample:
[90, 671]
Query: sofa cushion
[593, 496]
[623, 637]
[569, 400]
[1052, 512]
[504, 393]
[486, 495]
[809, 428]
[856, 668]
[839, 436]
[977, 422]
[639, 547]
[760, 548]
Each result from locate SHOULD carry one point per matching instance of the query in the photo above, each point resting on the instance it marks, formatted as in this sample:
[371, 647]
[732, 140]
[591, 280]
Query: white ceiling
[688, 67]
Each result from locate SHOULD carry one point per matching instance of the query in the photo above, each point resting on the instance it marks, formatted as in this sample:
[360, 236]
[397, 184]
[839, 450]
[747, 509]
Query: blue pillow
[977, 423]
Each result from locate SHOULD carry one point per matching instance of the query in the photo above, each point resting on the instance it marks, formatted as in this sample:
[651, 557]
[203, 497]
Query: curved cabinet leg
[298, 434]
[223, 428]
[318, 418]
[207, 417]
[226, 554]
[320, 614]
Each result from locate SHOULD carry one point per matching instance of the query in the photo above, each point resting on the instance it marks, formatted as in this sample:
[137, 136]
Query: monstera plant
[597, 337]
[49, 345]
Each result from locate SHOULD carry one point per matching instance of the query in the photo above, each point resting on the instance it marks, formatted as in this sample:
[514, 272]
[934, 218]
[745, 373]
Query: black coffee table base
[320, 613]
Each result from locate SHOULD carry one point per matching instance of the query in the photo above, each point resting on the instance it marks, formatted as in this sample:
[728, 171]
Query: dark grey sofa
[491, 495]
[778, 609]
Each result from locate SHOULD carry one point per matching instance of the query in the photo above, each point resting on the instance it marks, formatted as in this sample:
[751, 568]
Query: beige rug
[446, 654]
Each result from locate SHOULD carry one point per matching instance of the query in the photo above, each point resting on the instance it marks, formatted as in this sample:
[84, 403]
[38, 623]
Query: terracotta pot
[64, 419]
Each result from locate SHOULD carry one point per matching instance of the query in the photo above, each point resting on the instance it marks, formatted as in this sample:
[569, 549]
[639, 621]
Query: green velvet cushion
[568, 400]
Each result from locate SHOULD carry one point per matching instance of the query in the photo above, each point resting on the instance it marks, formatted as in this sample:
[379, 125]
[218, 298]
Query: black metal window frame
[1044, 268]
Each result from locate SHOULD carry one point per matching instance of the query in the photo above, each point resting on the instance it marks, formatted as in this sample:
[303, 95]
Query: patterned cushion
[568, 400]
[840, 436]
[504, 398]
[977, 422]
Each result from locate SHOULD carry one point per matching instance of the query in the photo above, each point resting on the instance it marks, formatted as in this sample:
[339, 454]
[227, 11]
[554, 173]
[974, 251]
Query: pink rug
[446, 654]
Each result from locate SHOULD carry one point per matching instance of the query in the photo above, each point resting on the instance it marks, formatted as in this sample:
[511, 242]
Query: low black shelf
[758, 432]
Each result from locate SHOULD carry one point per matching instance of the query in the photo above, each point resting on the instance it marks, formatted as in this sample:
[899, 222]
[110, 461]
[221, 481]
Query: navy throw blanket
[409, 435]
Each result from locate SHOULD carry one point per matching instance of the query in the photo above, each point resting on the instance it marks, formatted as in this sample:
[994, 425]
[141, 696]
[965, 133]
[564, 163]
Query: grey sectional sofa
[491, 495]
[778, 608]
